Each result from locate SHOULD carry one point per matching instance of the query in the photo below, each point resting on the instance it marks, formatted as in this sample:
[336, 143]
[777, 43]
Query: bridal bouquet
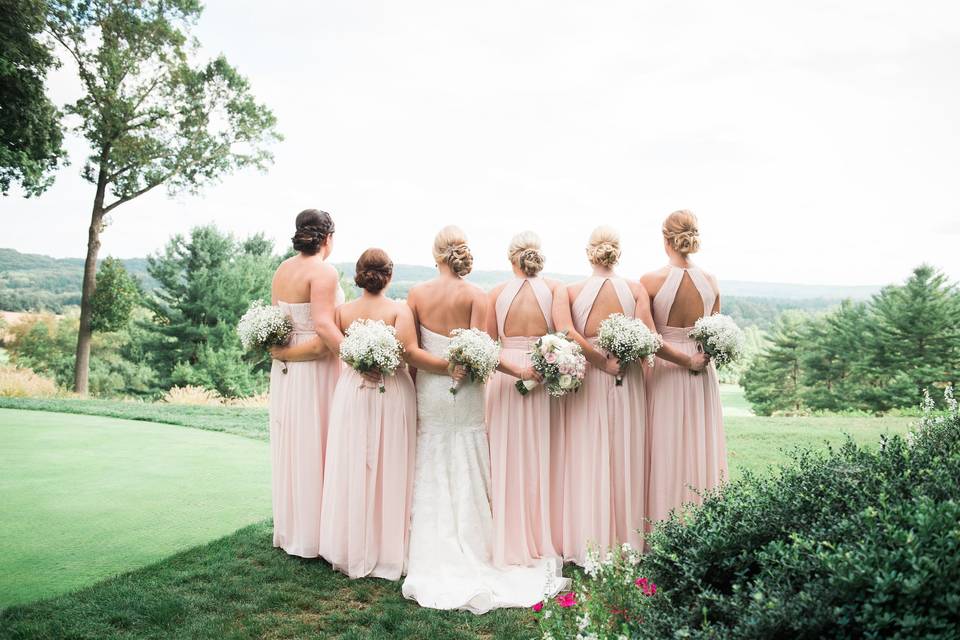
[720, 338]
[474, 350]
[264, 326]
[372, 345]
[561, 363]
[628, 339]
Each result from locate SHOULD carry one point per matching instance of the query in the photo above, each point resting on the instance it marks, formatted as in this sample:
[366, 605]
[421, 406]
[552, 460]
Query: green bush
[852, 543]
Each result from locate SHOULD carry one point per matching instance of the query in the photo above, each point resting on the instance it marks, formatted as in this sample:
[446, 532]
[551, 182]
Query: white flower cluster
[720, 338]
[560, 361]
[474, 350]
[372, 345]
[263, 326]
[628, 339]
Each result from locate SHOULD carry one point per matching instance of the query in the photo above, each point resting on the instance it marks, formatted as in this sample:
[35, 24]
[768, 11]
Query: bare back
[521, 308]
[680, 297]
[295, 276]
[447, 303]
[365, 307]
[607, 303]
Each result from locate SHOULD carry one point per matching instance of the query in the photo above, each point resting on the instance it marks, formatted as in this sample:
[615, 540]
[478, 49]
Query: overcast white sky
[819, 142]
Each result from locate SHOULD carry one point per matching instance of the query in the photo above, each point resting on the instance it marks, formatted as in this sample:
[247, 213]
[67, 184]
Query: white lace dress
[449, 565]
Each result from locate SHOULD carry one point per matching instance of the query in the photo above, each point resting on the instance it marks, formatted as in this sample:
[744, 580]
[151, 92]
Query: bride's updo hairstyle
[374, 270]
[604, 247]
[525, 254]
[450, 247]
[681, 231]
[313, 229]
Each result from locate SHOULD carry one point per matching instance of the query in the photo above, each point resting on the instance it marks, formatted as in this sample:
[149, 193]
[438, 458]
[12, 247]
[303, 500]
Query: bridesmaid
[302, 381]
[686, 421]
[519, 427]
[364, 524]
[605, 424]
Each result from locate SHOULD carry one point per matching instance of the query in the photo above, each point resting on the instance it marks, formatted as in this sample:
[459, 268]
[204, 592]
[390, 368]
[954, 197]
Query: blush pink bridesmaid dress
[368, 484]
[299, 409]
[519, 429]
[686, 445]
[604, 456]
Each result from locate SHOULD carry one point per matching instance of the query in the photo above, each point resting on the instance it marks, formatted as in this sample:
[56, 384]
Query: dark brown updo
[374, 270]
[313, 229]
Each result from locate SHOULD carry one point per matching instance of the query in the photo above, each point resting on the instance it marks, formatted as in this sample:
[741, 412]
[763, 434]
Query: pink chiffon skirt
[368, 487]
[519, 429]
[603, 460]
[686, 442]
[299, 410]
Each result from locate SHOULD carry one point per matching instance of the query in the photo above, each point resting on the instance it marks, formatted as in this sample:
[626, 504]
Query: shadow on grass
[241, 587]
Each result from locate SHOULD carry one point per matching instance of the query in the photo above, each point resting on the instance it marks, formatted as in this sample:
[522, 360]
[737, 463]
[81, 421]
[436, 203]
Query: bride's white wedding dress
[449, 565]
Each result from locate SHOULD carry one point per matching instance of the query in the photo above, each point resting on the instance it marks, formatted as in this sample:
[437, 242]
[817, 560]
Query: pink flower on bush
[566, 600]
[648, 588]
[538, 607]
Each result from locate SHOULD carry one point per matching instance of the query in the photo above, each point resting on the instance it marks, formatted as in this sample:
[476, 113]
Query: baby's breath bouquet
[372, 345]
[264, 326]
[628, 339]
[559, 361]
[474, 350]
[720, 338]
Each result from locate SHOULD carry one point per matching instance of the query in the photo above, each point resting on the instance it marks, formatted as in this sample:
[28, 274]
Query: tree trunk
[81, 372]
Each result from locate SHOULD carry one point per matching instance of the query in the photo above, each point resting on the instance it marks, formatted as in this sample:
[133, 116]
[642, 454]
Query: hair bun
[460, 259]
[524, 253]
[681, 230]
[313, 229]
[374, 270]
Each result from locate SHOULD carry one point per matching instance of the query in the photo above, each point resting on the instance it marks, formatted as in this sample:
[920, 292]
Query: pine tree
[774, 382]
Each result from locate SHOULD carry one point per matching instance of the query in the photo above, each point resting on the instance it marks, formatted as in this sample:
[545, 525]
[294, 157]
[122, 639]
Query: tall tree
[206, 282]
[150, 115]
[914, 338]
[774, 380]
[31, 139]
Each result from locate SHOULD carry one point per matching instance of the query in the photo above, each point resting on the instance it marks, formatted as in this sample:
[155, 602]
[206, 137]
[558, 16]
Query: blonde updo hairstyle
[450, 247]
[604, 247]
[681, 231]
[525, 254]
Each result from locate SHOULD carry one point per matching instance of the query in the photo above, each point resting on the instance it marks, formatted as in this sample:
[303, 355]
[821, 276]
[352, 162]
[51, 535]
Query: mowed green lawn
[85, 497]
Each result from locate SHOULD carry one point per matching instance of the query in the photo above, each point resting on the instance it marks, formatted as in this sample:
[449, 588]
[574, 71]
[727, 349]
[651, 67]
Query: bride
[450, 562]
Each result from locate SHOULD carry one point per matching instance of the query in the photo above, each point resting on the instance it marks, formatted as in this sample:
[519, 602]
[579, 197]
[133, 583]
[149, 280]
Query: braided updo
[450, 247]
[313, 229]
[374, 270]
[525, 254]
[604, 247]
[681, 231]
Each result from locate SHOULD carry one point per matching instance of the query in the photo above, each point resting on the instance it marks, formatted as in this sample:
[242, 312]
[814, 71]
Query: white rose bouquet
[372, 345]
[628, 339]
[264, 326]
[720, 338]
[561, 363]
[474, 350]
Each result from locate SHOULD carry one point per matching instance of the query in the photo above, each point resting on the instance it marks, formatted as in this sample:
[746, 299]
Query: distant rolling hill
[32, 282]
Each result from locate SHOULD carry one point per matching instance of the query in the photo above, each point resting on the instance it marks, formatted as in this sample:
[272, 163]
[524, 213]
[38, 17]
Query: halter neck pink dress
[605, 434]
[299, 411]
[519, 429]
[686, 445]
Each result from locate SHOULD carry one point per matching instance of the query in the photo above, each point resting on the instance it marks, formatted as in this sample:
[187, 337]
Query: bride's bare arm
[413, 354]
[563, 321]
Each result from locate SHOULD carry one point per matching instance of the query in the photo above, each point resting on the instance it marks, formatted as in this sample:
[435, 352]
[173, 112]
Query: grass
[240, 587]
[83, 498]
[241, 421]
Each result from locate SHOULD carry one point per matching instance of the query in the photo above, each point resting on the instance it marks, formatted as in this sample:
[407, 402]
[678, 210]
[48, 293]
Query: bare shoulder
[653, 280]
[472, 290]
[637, 288]
[552, 284]
[497, 290]
[324, 272]
[403, 310]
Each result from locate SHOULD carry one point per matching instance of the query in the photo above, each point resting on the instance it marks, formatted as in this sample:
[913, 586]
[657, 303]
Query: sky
[818, 142]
